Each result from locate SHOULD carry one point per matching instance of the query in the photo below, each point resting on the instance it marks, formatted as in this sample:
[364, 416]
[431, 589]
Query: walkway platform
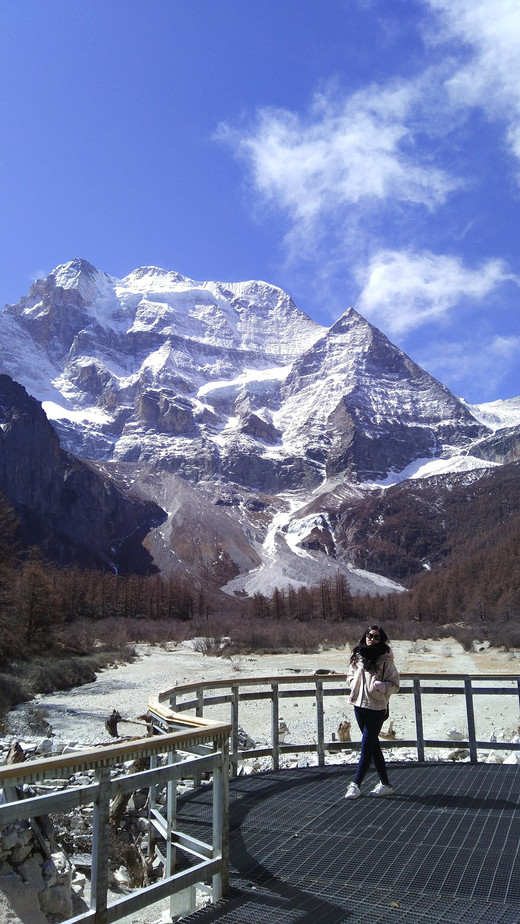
[445, 848]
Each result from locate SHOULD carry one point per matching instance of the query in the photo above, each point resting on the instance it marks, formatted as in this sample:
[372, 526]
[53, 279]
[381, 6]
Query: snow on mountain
[158, 367]
[235, 390]
[426, 468]
[286, 563]
[244, 316]
[26, 361]
[498, 414]
[353, 389]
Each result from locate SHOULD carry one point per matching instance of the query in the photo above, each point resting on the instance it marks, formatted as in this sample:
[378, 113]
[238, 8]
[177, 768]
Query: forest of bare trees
[50, 611]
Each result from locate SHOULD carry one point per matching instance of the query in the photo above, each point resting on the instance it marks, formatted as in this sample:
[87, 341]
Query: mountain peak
[172, 369]
[74, 274]
[236, 390]
[66, 274]
[349, 317]
[155, 278]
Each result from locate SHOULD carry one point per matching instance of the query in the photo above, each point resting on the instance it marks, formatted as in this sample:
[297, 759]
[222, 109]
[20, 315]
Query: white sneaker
[382, 789]
[353, 791]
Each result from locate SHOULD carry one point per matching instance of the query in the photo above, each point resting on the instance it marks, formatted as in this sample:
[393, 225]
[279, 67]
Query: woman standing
[372, 677]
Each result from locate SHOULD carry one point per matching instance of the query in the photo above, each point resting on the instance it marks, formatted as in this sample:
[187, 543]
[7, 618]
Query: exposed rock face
[190, 393]
[319, 540]
[365, 408]
[200, 538]
[259, 428]
[205, 379]
[502, 447]
[64, 505]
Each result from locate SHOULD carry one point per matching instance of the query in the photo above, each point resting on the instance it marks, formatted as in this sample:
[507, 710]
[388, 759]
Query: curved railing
[183, 745]
[211, 697]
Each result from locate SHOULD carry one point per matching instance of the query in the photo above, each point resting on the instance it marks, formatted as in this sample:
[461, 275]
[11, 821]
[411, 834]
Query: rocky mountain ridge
[62, 503]
[249, 424]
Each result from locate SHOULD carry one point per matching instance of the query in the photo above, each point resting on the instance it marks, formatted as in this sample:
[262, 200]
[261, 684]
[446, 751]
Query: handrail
[185, 745]
[233, 692]
[198, 745]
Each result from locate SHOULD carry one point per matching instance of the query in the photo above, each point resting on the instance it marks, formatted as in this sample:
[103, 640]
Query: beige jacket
[361, 682]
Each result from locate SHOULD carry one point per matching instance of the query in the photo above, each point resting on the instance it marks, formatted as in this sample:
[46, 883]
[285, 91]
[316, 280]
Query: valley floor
[79, 715]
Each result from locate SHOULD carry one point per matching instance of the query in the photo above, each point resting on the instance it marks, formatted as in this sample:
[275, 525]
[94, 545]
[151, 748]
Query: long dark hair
[370, 653]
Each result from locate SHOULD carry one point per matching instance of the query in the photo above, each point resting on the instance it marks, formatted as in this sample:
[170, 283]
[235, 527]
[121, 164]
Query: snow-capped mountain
[227, 400]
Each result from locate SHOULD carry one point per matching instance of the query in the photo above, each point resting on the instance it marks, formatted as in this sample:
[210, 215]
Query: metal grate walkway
[445, 847]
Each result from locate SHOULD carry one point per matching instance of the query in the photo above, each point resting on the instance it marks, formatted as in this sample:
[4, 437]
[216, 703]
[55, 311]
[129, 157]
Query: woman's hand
[380, 686]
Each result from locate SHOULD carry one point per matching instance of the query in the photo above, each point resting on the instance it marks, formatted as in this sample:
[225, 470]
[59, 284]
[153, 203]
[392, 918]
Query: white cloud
[353, 152]
[401, 291]
[505, 348]
[491, 78]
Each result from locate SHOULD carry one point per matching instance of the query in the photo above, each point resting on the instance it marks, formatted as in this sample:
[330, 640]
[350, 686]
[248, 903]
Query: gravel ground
[79, 715]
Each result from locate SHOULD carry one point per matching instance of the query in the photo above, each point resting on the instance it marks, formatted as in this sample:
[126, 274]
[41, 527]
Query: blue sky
[353, 152]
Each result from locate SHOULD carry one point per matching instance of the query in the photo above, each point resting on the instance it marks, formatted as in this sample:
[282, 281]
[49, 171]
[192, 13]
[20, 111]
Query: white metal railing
[190, 747]
[208, 697]
[184, 746]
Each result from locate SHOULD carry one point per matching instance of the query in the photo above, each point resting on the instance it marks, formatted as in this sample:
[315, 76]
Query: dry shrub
[115, 633]
[510, 637]
[277, 636]
[44, 675]
[210, 646]
[11, 689]
[158, 631]
[464, 635]
[21, 682]
[78, 637]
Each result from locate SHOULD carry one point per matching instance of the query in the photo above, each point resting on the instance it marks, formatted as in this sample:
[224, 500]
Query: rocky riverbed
[77, 717]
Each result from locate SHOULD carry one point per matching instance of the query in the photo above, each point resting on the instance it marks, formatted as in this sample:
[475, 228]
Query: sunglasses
[371, 635]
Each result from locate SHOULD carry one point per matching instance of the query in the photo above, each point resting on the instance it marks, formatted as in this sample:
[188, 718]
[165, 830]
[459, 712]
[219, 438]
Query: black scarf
[370, 653]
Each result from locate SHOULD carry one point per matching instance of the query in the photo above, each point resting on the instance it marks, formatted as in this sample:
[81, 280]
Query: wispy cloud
[490, 79]
[382, 194]
[334, 169]
[347, 152]
[401, 291]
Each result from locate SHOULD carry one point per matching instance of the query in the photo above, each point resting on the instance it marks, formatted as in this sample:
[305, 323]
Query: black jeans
[370, 722]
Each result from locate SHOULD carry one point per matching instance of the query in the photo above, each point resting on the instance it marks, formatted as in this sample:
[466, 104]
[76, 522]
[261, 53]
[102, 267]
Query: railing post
[171, 817]
[320, 724]
[275, 726]
[181, 903]
[220, 882]
[418, 719]
[471, 720]
[100, 836]
[152, 800]
[234, 729]
[199, 710]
